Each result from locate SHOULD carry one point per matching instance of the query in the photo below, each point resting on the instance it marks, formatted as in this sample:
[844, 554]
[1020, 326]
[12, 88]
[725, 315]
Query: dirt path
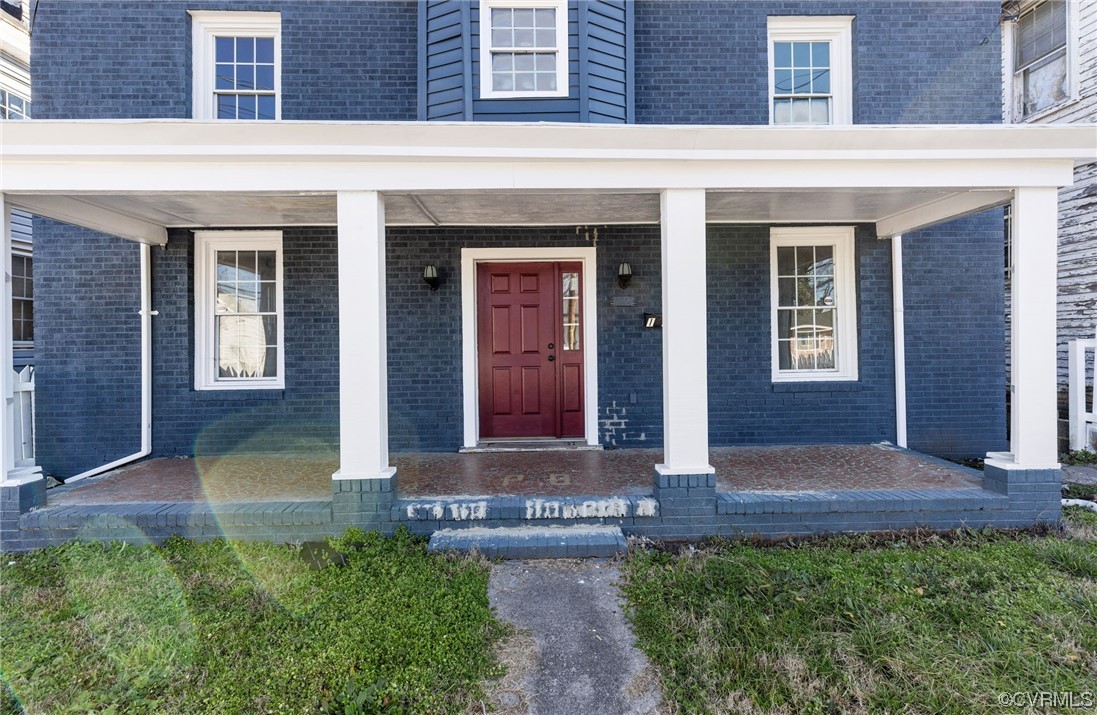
[575, 652]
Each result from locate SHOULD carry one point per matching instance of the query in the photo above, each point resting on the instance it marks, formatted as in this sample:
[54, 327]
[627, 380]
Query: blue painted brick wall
[705, 61]
[341, 59]
[87, 393]
[745, 407]
[955, 337]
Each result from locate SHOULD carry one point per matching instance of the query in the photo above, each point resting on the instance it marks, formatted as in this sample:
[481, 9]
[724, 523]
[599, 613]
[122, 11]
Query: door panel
[530, 347]
[517, 380]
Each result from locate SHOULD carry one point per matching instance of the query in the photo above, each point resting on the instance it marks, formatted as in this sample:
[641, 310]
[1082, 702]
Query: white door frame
[469, 258]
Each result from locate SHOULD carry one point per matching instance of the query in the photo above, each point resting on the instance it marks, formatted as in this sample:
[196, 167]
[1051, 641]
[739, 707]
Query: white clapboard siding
[1077, 204]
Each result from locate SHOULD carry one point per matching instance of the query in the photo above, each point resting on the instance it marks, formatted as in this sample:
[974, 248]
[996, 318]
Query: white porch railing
[1083, 421]
[23, 427]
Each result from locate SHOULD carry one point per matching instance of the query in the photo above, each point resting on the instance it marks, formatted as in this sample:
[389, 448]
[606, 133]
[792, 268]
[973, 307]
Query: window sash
[264, 352]
[829, 318]
[1054, 14]
[489, 51]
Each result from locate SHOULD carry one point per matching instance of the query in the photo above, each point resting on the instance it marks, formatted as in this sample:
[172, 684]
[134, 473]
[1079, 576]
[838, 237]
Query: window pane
[270, 368]
[805, 260]
[820, 54]
[523, 38]
[546, 62]
[245, 77]
[264, 49]
[546, 82]
[1045, 84]
[801, 54]
[270, 330]
[569, 303]
[824, 260]
[786, 291]
[264, 77]
[524, 63]
[268, 293]
[226, 298]
[226, 265]
[786, 261]
[782, 54]
[502, 82]
[525, 82]
[545, 17]
[820, 111]
[820, 81]
[824, 353]
[502, 38]
[546, 38]
[266, 106]
[784, 323]
[782, 111]
[801, 81]
[226, 107]
[500, 18]
[824, 291]
[784, 355]
[224, 49]
[502, 63]
[225, 78]
[801, 111]
[241, 346]
[268, 265]
[246, 106]
[523, 18]
[245, 49]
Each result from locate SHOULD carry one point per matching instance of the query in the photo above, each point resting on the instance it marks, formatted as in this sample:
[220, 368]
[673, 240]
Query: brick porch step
[533, 542]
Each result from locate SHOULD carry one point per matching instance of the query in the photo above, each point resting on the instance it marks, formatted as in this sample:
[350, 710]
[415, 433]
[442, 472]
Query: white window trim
[469, 358]
[845, 276]
[838, 30]
[209, 24]
[206, 245]
[1012, 83]
[563, 57]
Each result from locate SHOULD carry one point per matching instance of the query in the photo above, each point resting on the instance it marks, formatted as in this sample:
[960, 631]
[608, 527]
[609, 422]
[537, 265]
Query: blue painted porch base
[683, 508]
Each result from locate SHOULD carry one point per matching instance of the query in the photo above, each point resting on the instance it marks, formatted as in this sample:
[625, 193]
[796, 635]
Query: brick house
[673, 228]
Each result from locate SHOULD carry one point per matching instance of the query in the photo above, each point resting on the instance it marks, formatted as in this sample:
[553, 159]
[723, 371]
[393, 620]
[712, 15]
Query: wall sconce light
[653, 320]
[624, 274]
[430, 276]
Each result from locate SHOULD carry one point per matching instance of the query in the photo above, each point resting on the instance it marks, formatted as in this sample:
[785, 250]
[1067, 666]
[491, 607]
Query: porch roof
[136, 178]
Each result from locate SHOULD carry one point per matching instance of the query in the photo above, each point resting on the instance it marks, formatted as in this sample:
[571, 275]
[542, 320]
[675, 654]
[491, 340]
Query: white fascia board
[354, 141]
[80, 213]
[22, 176]
[946, 209]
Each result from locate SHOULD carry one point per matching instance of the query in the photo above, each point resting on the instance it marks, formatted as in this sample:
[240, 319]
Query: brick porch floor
[240, 478]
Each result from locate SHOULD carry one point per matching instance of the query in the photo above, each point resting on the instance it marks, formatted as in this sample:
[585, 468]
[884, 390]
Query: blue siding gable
[599, 52]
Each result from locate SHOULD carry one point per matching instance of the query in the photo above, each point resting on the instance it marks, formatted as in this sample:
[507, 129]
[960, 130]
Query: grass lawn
[243, 628]
[922, 624]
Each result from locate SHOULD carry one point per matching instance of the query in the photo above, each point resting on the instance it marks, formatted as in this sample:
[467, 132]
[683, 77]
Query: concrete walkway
[1081, 474]
[575, 652]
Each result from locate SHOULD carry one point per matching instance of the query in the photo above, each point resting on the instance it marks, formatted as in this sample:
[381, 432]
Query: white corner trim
[838, 30]
[900, 341]
[469, 258]
[206, 245]
[845, 277]
[563, 49]
[206, 25]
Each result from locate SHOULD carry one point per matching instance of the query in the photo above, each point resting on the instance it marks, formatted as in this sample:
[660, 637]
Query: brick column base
[363, 503]
[17, 499]
[1034, 494]
[686, 495]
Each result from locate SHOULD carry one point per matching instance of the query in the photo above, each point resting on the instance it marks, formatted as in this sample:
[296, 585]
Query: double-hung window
[523, 48]
[810, 70]
[238, 319]
[814, 307]
[12, 106]
[237, 65]
[1041, 62]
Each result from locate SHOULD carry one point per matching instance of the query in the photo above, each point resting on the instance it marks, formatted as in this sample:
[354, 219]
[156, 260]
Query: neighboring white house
[14, 105]
[1049, 71]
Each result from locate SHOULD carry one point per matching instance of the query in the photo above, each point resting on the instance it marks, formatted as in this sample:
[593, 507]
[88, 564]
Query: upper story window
[12, 106]
[810, 70]
[237, 65]
[814, 306]
[523, 48]
[1041, 58]
[22, 300]
[238, 310]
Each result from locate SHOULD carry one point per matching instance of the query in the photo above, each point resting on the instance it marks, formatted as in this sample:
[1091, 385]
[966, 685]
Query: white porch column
[7, 402]
[363, 373]
[1034, 413]
[685, 334]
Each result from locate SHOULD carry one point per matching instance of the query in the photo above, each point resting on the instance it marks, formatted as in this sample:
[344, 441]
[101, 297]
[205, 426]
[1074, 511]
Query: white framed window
[238, 317]
[1041, 54]
[523, 48]
[813, 303]
[22, 299]
[810, 70]
[237, 65]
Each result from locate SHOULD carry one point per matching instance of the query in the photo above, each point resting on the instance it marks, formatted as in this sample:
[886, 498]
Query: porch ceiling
[500, 208]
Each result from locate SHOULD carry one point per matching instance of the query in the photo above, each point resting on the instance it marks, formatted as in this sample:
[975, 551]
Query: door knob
[552, 346]
[552, 358]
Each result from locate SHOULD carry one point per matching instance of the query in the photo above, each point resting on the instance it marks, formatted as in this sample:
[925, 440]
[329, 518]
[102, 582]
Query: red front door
[530, 349]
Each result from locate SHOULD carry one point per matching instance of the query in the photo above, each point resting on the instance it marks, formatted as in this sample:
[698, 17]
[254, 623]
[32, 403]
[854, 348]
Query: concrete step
[532, 445]
[533, 542]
